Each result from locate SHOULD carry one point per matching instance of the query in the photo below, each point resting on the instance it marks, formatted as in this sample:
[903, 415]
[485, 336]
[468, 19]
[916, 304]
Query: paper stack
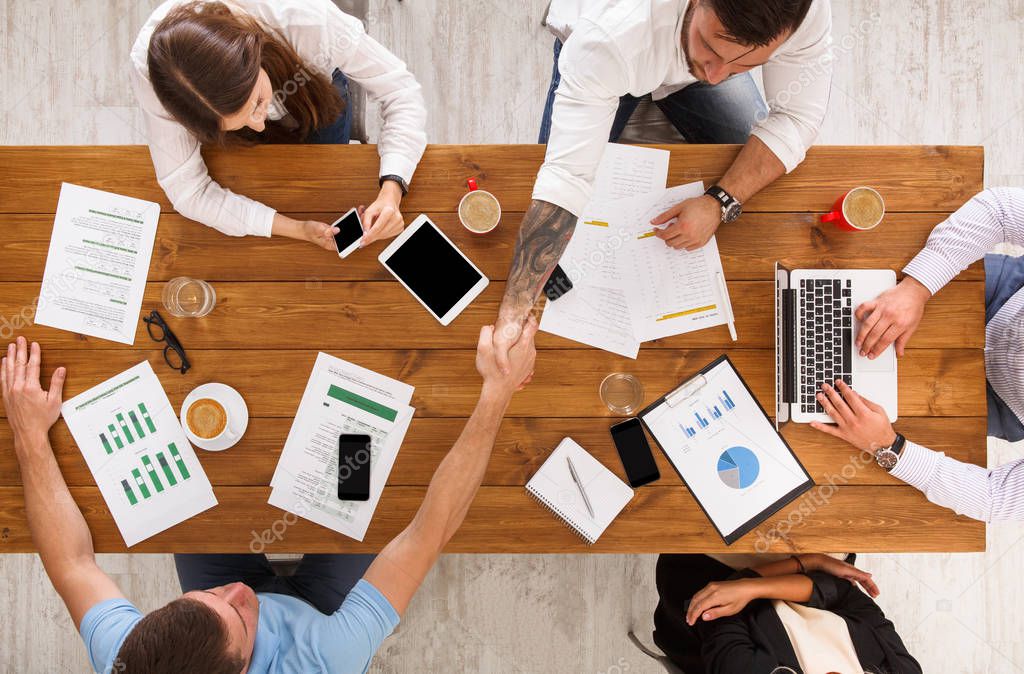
[628, 286]
[340, 398]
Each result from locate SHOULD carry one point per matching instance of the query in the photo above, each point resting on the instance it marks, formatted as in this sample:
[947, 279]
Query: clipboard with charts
[726, 450]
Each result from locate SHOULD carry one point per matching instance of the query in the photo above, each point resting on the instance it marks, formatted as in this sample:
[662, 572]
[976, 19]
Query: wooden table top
[281, 301]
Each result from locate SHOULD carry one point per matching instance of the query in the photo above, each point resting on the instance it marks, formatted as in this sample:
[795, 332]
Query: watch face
[886, 458]
[731, 212]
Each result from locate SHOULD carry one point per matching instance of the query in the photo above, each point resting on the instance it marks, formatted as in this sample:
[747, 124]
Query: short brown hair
[756, 24]
[184, 636]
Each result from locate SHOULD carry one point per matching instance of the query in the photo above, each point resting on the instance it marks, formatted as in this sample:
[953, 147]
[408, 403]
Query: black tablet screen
[433, 269]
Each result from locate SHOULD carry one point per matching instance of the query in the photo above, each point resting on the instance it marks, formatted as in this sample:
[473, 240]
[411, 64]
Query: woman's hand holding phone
[383, 218]
[318, 233]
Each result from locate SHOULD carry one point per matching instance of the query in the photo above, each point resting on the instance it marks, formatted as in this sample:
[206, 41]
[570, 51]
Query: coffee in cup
[859, 210]
[479, 210]
[206, 418]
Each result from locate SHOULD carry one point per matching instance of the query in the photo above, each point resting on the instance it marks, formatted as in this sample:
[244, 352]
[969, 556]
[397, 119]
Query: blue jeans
[702, 113]
[339, 131]
[321, 580]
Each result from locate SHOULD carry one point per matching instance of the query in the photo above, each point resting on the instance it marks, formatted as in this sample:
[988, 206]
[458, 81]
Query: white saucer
[236, 408]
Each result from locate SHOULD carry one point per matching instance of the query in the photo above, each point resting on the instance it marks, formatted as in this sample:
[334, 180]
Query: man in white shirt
[694, 58]
[991, 217]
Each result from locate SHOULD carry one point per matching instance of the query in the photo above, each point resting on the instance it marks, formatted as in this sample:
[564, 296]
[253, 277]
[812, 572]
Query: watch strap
[398, 179]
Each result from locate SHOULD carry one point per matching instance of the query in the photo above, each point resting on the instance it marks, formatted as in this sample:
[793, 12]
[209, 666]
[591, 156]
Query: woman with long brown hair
[260, 71]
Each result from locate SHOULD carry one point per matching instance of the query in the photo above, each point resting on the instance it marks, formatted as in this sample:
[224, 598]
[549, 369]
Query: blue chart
[713, 411]
[738, 467]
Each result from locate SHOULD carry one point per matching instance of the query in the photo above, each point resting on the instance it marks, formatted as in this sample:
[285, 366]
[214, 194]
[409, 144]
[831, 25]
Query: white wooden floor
[930, 71]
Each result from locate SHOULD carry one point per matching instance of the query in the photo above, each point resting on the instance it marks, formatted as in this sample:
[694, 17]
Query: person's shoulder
[140, 49]
[104, 628]
[815, 28]
[290, 14]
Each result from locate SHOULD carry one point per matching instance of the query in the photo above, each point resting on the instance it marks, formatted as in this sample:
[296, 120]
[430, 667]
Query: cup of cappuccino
[208, 420]
[479, 210]
[859, 210]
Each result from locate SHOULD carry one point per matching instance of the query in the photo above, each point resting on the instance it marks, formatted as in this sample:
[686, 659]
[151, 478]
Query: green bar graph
[114, 434]
[129, 493]
[145, 415]
[136, 424]
[148, 465]
[139, 481]
[177, 459]
[124, 428]
[106, 444]
[162, 460]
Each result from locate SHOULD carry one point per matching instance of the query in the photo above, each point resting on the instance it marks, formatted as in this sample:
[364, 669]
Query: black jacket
[755, 641]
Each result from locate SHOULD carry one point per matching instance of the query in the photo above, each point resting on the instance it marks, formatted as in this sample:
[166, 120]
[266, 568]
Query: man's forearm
[542, 239]
[58, 529]
[755, 168]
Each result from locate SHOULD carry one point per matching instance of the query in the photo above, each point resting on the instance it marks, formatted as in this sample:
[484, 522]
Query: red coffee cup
[859, 210]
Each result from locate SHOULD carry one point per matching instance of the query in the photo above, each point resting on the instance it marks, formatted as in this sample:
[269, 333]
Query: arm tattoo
[543, 236]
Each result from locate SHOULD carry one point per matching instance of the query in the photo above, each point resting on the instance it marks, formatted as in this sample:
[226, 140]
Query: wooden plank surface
[508, 520]
[329, 178]
[346, 312]
[280, 301]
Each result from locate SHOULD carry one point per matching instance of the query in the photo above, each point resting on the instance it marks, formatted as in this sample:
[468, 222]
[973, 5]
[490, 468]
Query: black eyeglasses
[174, 352]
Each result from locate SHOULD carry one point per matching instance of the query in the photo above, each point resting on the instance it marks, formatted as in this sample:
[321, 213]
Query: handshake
[506, 355]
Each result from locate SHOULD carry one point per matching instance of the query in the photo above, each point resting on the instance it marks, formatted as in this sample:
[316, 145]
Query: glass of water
[622, 393]
[189, 297]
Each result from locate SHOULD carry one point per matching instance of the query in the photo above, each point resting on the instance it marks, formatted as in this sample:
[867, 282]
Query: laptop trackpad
[885, 362]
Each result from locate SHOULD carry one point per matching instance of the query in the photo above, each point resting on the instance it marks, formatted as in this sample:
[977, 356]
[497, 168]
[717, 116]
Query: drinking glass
[189, 297]
[622, 393]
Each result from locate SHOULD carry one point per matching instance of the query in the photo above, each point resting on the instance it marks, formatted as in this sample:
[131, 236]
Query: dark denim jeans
[703, 113]
[321, 580]
[339, 131]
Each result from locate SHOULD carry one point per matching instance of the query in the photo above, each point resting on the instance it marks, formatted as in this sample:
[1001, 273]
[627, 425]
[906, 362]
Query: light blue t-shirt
[291, 635]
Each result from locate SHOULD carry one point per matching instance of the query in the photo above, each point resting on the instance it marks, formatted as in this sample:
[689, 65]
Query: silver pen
[583, 492]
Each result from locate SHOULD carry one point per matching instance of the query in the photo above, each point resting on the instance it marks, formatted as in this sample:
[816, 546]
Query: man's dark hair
[184, 636]
[756, 24]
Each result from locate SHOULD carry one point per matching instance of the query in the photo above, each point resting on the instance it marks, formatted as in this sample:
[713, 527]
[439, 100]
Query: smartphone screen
[354, 467]
[635, 453]
[350, 232]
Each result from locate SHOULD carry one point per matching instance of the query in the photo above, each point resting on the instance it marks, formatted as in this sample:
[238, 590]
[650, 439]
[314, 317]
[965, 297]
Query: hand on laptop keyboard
[891, 317]
[858, 421]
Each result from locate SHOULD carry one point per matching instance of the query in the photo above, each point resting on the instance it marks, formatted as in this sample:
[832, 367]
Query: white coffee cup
[479, 194]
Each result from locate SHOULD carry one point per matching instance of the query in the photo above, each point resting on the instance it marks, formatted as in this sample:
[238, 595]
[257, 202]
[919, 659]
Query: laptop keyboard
[826, 337]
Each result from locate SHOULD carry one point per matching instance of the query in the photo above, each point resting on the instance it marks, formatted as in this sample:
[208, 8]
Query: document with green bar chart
[137, 452]
[97, 263]
[340, 398]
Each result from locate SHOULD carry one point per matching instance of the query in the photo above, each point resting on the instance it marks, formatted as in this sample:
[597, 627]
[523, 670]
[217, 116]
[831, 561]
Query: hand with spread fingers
[858, 421]
[31, 411]
[891, 317]
[696, 221]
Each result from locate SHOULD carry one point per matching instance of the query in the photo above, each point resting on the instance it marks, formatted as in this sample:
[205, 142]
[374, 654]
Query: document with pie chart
[726, 450]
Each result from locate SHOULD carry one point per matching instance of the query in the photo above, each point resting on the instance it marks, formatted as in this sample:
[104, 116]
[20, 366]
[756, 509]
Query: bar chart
[146, 489]
[120, 434]
[714, 412]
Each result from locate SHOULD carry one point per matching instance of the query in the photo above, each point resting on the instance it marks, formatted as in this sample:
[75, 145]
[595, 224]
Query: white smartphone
[350, 228]
[433, 269]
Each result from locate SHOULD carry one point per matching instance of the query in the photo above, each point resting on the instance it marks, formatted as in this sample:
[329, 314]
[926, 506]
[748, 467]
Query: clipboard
[685, 394]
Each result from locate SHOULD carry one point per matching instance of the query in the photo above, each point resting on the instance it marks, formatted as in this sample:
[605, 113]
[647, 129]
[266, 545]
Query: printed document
[340, 398]
[97, 264]
[143, 464]
[595, 312]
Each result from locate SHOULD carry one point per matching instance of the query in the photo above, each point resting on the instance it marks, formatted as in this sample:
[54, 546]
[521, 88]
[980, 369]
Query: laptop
[815, 329]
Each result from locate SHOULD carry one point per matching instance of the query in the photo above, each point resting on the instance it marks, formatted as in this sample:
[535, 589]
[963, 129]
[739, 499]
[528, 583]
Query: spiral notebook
[554, 488]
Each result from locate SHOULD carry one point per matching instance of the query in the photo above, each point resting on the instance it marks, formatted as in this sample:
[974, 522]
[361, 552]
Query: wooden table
[280, 301]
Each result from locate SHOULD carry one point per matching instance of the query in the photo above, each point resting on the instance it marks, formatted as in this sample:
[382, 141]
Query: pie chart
[738, 467]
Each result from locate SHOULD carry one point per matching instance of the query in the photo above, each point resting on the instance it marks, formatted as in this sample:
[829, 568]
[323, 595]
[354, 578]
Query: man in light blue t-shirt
[235, 615]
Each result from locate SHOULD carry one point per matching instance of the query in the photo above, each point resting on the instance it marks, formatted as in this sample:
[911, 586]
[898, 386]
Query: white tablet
[437, 273]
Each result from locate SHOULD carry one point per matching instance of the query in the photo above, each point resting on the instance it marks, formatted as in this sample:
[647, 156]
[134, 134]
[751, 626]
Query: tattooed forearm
[543, 236]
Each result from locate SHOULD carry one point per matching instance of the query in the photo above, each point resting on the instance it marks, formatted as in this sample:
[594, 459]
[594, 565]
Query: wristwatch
[887, 457]
[731, 207]
[398, 179]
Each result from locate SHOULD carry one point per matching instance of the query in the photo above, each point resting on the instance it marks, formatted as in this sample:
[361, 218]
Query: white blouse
[326, 38]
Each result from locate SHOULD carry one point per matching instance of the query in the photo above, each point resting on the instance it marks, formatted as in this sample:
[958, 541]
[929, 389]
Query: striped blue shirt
[992, 217]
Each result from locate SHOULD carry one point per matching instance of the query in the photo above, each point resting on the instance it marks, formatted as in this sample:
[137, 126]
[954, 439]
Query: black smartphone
[354, 467]
[558, 284]
[350, 231]
[635, 453]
